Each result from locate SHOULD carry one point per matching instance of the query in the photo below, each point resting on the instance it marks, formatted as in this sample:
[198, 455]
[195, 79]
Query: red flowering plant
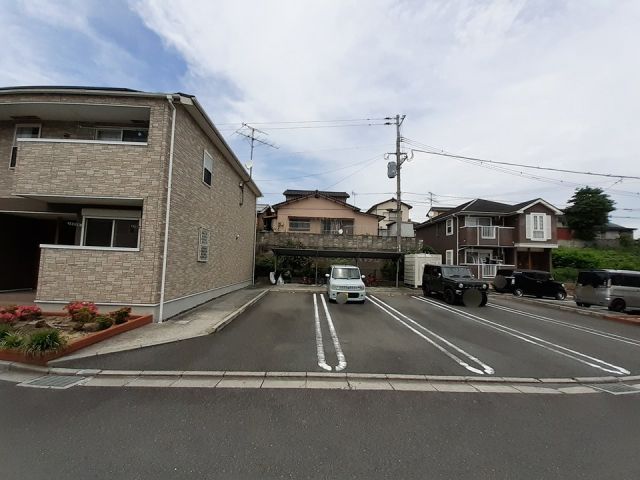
[8, 314]
[28, 312]
[82, 312]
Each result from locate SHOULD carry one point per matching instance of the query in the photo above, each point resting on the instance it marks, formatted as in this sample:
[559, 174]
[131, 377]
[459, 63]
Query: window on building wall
[477, 221]
[449, 257]
[22, 131]
[207, 168]
[299, 224]
[100, 231]
[115, 134]
[449, 227]
[335, 225]
[538, 226]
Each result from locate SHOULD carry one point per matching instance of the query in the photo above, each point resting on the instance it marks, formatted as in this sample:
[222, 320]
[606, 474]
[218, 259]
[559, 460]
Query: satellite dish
[340, 232]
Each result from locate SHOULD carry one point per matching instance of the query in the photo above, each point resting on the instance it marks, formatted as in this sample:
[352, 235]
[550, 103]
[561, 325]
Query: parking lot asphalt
[407, 334]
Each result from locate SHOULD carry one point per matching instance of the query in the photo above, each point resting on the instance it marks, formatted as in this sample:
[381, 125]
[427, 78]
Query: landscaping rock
[91, 327]
[77, 326]
[42, 324]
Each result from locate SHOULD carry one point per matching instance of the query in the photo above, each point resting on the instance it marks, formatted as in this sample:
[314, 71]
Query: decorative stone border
[85, 341]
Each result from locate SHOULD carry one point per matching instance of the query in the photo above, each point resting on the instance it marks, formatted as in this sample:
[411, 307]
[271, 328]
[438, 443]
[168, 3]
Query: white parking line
[319, 344]
[559, 349]
[593, 331]
[389, 311]
[342, 362]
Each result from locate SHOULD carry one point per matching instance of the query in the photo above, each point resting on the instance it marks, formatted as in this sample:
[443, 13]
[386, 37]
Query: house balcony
[51, 169]
[489, 236]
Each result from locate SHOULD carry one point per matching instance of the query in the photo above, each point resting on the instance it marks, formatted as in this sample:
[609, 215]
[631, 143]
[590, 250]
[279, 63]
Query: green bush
[103, 322]
[121, 315]
[565, 274]
[43, 342]
[5, 330]
[12, 340]
[586, 258]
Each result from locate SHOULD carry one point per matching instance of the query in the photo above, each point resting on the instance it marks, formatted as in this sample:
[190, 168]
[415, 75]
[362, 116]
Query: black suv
[528, 282]
[455, 284]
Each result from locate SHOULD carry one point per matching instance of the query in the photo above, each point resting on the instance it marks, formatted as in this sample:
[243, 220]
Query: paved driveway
[399, 334]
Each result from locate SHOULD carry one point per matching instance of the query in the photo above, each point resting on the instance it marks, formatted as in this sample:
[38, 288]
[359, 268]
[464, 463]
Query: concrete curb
[603, 315]
[21, 367]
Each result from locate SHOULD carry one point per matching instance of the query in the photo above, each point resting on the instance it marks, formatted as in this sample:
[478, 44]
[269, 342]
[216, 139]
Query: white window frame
[121, 130]
[112, 215]
[447, 260]
[204, 242]
[470, 221]
[206, 155]
[538, 219]
[449, 226]
[15, 139]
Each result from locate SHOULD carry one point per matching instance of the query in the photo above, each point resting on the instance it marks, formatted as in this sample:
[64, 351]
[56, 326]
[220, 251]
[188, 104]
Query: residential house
[120, 197]
[313, 211]
[486, 235]
[265, 215]
[609, 236]
[388, 210]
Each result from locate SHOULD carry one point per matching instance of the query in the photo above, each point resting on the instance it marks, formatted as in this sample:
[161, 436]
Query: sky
[550, 83]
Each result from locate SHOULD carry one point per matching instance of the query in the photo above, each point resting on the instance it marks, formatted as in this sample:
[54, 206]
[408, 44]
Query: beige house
[120, 197]
[389, 211]
[313, 211]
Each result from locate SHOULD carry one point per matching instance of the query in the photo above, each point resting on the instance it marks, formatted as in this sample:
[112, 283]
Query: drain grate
[54, 381]
[616, 388]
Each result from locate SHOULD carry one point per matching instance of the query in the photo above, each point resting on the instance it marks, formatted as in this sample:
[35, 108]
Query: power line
[561, 170]
[373, 159]
[317, 174]
[288, 122]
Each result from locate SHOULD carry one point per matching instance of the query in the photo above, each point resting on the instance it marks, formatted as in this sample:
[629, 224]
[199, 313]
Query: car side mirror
[439, 275]
[362, 277]
[326, 275]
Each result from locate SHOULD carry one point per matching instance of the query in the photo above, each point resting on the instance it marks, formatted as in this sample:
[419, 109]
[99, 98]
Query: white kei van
[345, 283]
[619, 290]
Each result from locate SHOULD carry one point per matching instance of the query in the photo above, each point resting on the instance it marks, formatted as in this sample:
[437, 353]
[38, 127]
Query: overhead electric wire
[285, 122]
[319, 173]
[495, 162]
[373, 159]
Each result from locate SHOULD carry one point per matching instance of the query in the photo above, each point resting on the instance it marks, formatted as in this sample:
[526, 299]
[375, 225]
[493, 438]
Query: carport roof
[330, 253]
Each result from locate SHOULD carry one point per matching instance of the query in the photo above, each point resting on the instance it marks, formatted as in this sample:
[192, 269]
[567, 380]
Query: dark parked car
[452, 282]
[528, 282]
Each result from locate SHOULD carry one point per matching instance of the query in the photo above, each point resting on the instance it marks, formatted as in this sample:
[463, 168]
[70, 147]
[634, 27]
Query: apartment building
[120, 197]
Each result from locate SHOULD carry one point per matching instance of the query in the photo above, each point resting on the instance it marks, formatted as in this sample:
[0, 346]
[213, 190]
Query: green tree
[588, 212]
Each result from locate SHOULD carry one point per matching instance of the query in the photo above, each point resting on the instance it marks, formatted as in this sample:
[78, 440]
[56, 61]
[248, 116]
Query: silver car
[619, 290]
[344, 284]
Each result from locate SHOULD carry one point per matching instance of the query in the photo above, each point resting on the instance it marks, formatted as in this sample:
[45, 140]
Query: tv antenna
[253, 138]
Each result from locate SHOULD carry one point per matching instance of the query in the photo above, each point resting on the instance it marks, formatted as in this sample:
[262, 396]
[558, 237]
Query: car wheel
[449, 296]
[518, 292]
[618, 305]
[561, 296]
[579, 304]
[586, 305]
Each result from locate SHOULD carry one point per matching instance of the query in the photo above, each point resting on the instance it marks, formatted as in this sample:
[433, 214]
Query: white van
[345, 283]
[619, 290]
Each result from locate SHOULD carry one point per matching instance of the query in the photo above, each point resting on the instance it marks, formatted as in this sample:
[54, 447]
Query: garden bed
[58, 335]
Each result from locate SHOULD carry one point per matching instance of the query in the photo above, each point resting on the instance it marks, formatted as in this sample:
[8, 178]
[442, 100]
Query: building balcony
[490, 236]
[51, 168]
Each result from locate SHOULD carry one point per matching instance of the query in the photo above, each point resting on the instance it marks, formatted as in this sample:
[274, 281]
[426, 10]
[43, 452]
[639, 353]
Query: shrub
[5, 329]
[103, 322]
[565, 274]
[8, 314]
[82, 312]
[12, 340]
[121, 315]
[28, 312]
[43, 342]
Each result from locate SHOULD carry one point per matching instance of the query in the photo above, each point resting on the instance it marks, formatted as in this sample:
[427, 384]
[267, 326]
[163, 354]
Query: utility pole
[400, 158]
